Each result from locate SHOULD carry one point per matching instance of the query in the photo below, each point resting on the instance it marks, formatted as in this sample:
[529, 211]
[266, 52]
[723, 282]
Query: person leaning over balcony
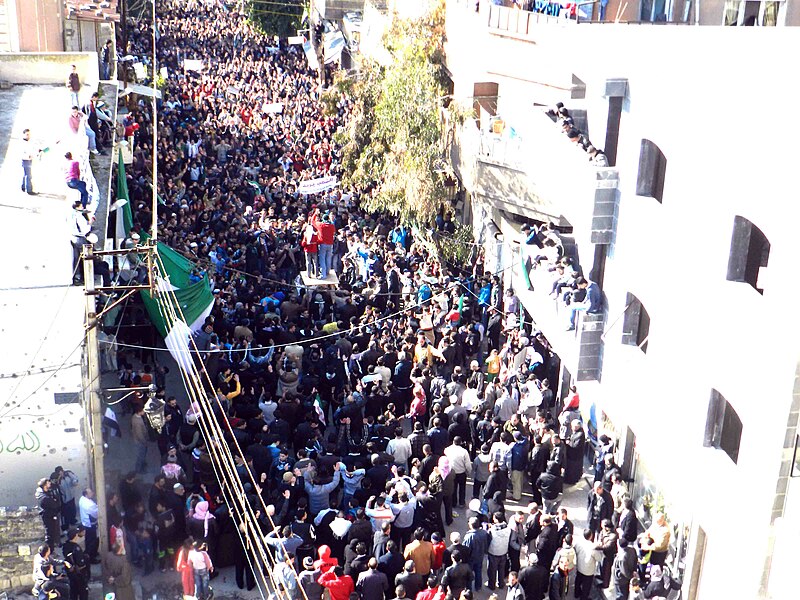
[592, 303]
[597, 157]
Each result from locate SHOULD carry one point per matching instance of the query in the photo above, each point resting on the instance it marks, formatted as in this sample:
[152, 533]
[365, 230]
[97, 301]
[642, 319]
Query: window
[749, 253]
[749, 13]
[652, 167]
[636, 324]
[723, 427]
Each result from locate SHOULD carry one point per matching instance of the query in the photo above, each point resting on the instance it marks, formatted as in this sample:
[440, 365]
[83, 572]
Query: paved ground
[165, 586]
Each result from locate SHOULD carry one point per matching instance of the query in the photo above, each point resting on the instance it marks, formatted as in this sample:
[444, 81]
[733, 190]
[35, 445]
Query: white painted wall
[723, 116]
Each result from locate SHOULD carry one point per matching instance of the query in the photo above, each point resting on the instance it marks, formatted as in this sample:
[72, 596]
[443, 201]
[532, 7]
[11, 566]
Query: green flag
[125, 217]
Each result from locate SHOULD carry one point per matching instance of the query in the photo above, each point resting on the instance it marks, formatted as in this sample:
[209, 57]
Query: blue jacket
[594, 298]
[519, 455]
[478, 543]
[319, 495]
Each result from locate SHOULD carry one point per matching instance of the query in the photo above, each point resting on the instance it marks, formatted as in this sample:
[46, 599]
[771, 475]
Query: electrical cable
[206, 418]
[176, 305]
[196, 395]
[46, 333]
[308, 341]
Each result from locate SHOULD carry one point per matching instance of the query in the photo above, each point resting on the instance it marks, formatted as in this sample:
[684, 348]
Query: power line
[46, 333]
[239, 491]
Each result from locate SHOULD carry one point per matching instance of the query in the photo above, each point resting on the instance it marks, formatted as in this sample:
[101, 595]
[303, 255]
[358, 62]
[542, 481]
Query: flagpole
[154, 232]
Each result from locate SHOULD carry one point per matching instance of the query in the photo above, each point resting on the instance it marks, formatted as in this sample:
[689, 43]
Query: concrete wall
[40, 25]
[44, 68]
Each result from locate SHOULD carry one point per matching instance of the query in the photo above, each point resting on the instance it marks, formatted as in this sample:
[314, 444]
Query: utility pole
[91, 387]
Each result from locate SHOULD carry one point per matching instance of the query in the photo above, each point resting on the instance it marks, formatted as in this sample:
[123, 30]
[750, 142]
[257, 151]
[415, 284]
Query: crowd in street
[368, 414]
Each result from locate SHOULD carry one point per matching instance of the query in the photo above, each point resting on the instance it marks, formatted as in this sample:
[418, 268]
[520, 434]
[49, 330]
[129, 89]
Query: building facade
[692, 365]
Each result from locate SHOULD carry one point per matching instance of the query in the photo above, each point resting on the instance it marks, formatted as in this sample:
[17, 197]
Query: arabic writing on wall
[27, 441]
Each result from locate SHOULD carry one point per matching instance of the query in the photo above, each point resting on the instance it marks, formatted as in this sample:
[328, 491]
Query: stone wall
[21, 533]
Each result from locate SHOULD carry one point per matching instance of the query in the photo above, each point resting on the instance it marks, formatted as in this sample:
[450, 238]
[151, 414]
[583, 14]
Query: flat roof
[41, 313]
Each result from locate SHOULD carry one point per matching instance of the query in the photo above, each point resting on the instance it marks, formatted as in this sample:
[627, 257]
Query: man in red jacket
[326, 232]
[339, 585]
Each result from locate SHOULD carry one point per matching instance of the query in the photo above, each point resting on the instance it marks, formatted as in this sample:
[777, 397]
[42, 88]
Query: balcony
[540, 174]
[580, 350]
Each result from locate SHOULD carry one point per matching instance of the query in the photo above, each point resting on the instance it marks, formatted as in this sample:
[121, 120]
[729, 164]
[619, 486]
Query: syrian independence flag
[110, 423]
[319, 411]
[194, 297]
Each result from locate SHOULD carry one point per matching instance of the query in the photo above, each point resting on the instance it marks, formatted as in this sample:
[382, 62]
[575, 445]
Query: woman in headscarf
[202, 526]
[443, 483]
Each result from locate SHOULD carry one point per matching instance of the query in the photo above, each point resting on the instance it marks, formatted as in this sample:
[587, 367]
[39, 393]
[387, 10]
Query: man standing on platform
[326, 232]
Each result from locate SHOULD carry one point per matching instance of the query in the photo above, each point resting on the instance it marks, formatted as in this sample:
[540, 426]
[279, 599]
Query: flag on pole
[194, 298]
[111, 424]
[124, 214]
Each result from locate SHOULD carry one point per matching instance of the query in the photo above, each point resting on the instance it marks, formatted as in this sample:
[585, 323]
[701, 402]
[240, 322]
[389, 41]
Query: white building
[691, 234]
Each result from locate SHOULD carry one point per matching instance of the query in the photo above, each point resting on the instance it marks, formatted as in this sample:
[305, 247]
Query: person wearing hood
[325, 561]
[500, 534]
[202, 526]
[308, 579]
[550, 485]
[496, 505]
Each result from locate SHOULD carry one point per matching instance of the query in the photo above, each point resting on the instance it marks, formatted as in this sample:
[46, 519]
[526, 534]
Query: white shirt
[459, 458]
[88, 508]
[78, 225]
[586, 557]
[28, 150]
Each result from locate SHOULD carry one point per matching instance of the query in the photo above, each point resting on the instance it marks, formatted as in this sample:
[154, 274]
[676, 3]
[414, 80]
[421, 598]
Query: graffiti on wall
[26, 442]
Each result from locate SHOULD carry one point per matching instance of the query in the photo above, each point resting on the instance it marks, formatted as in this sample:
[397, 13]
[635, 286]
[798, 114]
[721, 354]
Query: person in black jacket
[458, 576]
[49, 503]
[550, 485]
[78, 572]
[534, 579]
[497, 482]
[537, 465]
[600, 506]
[547, 542]
[576, 448]
[628, 526]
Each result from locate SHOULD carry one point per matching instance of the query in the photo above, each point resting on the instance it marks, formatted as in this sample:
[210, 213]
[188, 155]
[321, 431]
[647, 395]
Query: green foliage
[271, 19]
[393, 140]
[456, 248]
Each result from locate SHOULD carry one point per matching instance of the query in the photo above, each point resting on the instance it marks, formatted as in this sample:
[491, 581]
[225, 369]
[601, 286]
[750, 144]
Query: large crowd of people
[363, 410]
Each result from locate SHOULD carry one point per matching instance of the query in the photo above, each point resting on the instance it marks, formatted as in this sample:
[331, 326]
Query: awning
[142, 90]
[511, 190]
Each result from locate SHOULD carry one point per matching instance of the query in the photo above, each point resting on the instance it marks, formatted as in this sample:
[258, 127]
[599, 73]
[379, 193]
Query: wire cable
[210, 422]
[175, 305]
[46, 333]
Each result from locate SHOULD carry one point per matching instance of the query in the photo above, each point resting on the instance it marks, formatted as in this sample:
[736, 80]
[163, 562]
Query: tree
[392, 143]
[274, 19]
